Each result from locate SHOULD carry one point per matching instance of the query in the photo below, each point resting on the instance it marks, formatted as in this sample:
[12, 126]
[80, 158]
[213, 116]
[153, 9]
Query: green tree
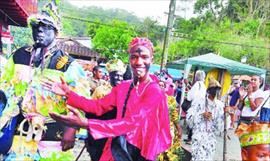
[113, 40]
[151, 29]
[92, 28]
[22, 36]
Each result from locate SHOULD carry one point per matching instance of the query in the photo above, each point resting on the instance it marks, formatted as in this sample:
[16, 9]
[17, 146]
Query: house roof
[16, 12]
[73, 47]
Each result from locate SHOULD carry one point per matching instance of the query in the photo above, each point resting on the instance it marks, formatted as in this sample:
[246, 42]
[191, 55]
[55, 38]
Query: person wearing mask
[116, 69]
[142, 110]
[26, 99]
[197, 91]
[205, 118]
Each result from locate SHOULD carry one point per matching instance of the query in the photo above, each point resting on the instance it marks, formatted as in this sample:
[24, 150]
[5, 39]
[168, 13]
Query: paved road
[233, 147]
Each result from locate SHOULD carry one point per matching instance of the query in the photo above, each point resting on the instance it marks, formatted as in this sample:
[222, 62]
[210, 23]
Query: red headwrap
[142, 41]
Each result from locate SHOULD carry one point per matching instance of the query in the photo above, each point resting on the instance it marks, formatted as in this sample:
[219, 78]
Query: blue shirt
[235, 95]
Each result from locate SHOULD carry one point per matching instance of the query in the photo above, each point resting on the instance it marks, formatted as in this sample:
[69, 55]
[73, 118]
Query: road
[233, 147]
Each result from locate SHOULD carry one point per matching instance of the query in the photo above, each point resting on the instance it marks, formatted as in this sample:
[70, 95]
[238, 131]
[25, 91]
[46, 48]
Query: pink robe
[146, 122]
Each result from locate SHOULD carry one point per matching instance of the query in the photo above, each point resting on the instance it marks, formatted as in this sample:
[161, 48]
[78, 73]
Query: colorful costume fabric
[97, 147]
[204, 132]
[174, 152]
[22, 85]
[146, 122]
[253, 134]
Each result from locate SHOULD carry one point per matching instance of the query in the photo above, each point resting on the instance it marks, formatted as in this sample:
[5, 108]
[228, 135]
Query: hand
[207, 115]
[186, 81]
[242, 92]
[68, 140]
[227, 109]
[73, 119]
[61, 89]
[249, 89]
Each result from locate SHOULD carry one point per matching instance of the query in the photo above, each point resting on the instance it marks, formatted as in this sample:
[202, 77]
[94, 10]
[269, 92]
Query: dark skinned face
[140, 60]
[115, 78]
[213, 91]
[43, 34]
[259, 152]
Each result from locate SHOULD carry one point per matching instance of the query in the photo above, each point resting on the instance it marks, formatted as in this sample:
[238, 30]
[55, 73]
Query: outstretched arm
[97, 107]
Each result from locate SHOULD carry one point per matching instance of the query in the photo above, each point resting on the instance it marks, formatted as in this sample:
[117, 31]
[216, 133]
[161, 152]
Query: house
[80, 49]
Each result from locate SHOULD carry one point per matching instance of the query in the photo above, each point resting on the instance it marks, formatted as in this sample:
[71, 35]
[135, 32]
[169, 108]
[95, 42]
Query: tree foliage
[22, 36]
[112, 41]
[234, 29]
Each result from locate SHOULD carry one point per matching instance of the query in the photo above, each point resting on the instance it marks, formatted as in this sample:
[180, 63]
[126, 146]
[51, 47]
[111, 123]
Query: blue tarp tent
[210, 61]
[175, 73]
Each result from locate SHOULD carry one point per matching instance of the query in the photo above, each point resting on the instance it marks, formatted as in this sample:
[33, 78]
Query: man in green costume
[21, 83]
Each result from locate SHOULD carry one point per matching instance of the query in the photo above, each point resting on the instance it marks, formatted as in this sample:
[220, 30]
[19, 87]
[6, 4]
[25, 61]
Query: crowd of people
[46, 95]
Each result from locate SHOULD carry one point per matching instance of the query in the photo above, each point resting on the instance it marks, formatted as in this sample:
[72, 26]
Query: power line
[186, 36]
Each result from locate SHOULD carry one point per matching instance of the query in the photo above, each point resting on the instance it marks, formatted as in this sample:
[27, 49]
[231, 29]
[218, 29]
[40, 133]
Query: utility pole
[167, 34]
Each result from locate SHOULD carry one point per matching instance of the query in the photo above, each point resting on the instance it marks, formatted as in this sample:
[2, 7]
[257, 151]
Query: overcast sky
[142, 8]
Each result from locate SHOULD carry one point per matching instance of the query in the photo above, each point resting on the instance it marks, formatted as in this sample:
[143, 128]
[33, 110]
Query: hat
[116, 65]
[253, 134]
[213, 83]
[49, 15]
[142, 41]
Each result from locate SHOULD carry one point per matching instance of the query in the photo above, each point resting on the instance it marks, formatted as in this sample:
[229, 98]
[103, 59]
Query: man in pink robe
[146, 122]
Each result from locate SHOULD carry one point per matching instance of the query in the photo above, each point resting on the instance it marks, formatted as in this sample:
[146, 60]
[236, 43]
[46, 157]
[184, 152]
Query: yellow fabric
[116, 65]
[21, 146]
[226, 82]
[174, 152]
[101, 91]
[253, 134]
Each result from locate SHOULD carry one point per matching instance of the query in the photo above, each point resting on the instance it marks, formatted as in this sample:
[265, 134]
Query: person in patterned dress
[205, 117]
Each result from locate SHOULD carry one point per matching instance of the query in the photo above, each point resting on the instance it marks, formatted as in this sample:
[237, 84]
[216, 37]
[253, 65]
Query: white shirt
[247, 112]
[197, 91]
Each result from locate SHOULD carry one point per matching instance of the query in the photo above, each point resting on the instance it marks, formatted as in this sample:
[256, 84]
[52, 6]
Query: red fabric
[146, 122]
[142, 41]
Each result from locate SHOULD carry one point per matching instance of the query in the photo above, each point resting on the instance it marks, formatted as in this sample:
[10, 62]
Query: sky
[155, 9]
